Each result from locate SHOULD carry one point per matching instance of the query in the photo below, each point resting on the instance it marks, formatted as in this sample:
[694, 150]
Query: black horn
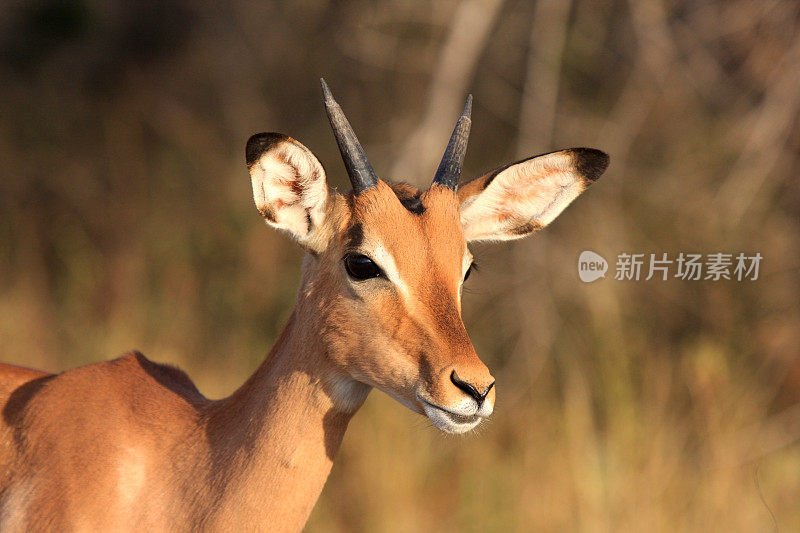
[361, 174]
[450, 168]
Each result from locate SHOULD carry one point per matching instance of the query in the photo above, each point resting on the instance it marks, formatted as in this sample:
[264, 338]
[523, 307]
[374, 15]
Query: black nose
[469, 388]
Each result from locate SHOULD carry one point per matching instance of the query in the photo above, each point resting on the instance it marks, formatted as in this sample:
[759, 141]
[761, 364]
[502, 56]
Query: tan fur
[131, 445]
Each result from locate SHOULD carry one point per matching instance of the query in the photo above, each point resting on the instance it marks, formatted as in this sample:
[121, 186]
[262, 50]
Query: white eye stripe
[381, 256]
[385, 261]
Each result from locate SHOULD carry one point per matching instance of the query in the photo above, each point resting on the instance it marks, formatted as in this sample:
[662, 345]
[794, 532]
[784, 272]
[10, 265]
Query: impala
[130, 444]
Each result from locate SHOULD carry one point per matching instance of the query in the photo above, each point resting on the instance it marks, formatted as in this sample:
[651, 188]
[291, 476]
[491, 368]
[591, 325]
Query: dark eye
[469, 270]
[361, 267]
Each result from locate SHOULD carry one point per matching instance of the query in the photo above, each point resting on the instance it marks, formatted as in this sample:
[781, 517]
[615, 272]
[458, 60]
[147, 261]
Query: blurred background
[126, 222]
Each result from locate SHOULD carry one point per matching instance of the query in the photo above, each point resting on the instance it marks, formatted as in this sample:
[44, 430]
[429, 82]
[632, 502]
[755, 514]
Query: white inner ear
[289, 187]
[531, 192]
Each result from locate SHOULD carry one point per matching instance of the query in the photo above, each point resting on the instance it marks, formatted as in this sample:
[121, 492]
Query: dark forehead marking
[409, 196]
[354, 236]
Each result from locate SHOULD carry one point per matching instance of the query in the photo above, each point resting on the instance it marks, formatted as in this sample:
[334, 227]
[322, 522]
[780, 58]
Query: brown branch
[469, 32]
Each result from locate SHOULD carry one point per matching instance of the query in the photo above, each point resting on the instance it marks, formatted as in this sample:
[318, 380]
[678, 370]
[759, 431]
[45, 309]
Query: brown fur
[130, 444]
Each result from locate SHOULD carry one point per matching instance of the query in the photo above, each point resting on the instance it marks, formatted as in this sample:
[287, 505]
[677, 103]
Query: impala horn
[361, 174]
[450, 168]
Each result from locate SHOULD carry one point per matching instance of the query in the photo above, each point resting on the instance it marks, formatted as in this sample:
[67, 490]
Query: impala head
[385, 266]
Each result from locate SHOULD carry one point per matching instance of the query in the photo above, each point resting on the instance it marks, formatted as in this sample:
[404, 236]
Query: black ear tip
[591, 163]
[260, 143]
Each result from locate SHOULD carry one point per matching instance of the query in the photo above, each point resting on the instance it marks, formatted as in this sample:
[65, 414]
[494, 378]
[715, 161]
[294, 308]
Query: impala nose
[471, 389]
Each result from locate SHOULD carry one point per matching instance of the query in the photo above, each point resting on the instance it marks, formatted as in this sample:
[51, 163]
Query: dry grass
[125, 222]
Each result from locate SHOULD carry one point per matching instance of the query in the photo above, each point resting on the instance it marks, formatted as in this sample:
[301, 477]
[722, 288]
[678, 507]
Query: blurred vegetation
[126, 222]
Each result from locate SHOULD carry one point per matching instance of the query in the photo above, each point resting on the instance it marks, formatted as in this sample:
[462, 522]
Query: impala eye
[360, 266]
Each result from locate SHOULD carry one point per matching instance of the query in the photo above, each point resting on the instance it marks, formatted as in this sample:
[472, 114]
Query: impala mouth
[448, 421]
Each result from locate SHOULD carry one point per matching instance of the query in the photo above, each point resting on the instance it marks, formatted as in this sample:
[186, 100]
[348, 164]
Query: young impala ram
[130, 444]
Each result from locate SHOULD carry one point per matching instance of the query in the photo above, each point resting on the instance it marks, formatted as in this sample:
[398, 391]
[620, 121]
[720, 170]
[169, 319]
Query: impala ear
[289, 185]
[518, 199]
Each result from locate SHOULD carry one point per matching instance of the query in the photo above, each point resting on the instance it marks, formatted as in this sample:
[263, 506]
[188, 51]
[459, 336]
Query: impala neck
[274, 440]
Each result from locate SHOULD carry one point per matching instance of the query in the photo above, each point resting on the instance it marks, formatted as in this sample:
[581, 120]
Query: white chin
[449, 422]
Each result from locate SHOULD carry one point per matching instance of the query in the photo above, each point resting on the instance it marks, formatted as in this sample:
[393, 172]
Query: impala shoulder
[130, 382]
[135, 364]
